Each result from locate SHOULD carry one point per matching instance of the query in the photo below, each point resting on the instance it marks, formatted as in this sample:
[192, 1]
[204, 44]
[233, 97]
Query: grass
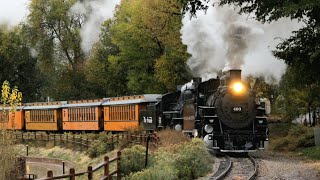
[290, 137]
[312, 152]
[169, 137]
[8, 159]
[279, 129]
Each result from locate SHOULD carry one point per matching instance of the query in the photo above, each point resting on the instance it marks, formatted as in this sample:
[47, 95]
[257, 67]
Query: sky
[13, 11]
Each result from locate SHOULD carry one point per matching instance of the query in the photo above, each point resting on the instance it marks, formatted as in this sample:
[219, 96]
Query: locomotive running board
[170, 112]
[238, 151]
[206, 107]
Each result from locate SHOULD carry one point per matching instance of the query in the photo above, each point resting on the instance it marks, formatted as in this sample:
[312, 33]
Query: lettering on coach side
[147, 120]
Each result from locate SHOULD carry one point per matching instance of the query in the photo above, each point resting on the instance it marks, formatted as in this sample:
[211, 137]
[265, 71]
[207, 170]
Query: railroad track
[236, 168]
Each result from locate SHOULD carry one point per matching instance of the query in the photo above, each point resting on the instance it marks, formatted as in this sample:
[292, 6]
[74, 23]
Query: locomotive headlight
[208, 128]
[238, 87]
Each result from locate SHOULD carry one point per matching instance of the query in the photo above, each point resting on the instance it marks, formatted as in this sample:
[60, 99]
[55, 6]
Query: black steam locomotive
[222, 111]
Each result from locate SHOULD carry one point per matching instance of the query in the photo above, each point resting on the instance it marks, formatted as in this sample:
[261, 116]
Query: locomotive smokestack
[234, 75]
[231, 76]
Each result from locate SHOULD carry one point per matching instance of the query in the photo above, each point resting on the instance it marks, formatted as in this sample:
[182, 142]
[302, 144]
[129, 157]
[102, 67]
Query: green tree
[148, 36]
[17, 63]
[265, 87]
[54, 32]
[103, 73]
[298, 98]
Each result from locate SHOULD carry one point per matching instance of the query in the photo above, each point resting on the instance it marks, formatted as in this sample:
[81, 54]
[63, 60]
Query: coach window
[122, 113]
[91, 113]
[85, 113]
[70, 114]
[77, 114]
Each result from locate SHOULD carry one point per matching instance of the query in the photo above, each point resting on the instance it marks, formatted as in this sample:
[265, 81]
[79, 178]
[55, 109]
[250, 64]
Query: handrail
[107, 174]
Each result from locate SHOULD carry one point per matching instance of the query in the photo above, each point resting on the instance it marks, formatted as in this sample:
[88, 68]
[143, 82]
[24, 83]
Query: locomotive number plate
[237, 109]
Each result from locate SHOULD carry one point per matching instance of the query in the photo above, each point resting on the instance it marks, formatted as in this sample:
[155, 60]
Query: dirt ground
[282, 166]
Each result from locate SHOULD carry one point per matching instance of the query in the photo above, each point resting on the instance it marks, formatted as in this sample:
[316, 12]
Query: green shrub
[187, 160]
[132, 159]
[192, 160]
[101, 146]
[298, 136]
[165, 172]
[93, 150]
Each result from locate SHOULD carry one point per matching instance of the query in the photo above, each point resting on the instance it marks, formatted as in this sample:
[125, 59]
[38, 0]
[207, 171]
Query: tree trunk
[314, 117]
[310, 124]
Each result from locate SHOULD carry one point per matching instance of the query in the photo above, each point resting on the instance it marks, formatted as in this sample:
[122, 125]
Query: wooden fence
[123, 138]
[86, 141]
[61, 138]
[90, 171]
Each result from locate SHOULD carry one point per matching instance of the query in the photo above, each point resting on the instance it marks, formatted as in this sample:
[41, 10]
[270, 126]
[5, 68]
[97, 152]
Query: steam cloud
[97, 11]
[221, 39]
[13, 12]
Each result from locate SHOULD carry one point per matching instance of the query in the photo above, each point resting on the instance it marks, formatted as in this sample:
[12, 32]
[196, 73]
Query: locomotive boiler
[222, 111]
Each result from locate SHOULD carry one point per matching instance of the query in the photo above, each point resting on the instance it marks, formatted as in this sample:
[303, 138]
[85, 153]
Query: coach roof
[133, 99]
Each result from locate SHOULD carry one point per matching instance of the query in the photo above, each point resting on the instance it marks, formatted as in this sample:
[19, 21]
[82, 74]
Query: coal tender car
[225, 113]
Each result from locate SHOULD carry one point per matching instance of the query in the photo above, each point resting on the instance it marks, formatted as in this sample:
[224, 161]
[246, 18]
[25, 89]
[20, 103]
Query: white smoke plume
[13, 12]
[221, 39]
[97, 11]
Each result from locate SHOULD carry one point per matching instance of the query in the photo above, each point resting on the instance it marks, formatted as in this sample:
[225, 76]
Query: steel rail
[225, 171]
[255, 164]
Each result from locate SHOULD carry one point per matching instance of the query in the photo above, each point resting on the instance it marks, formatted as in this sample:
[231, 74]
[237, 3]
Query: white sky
[12, 12]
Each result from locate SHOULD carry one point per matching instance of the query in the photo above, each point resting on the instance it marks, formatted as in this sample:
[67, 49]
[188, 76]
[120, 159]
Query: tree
[148, 36]
[17, 63]
[10, 99]
[102, 73]
[54, 32]
[297, 97]
[265, 11]
[265, 87]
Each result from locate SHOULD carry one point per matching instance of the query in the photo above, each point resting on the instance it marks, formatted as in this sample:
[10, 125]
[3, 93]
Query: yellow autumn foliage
[10, 99]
